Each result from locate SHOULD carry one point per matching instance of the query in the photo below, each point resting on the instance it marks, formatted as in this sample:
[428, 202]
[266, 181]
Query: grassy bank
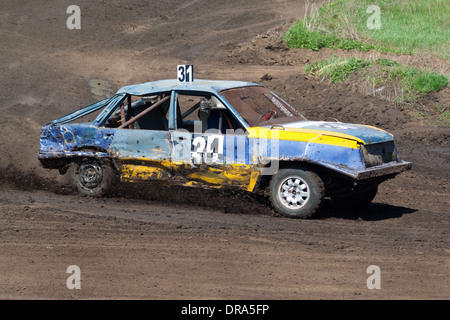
[405, 26]
[401, 84]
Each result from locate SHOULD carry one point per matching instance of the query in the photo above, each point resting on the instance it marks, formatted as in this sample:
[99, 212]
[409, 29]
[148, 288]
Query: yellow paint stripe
[306, 135]
[134, 173]
[239, 175]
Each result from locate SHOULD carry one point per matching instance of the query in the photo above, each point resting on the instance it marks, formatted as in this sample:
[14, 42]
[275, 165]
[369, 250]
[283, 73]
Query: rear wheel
[91, 177]
[297, 193]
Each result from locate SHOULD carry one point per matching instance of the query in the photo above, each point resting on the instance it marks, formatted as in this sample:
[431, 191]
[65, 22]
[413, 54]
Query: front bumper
[387, 170]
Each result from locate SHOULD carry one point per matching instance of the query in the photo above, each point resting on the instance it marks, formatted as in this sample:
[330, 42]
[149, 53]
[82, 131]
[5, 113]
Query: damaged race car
[220, 134]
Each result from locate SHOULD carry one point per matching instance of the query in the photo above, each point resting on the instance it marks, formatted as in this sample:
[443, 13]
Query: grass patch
[299, 37]
[429, 81]
[417, 80]
[406, 26]
[336, 69]
[409, 83]
[445, 117]
[419, 115]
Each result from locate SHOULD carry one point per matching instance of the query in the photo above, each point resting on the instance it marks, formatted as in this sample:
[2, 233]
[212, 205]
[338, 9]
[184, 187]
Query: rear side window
[142, 112]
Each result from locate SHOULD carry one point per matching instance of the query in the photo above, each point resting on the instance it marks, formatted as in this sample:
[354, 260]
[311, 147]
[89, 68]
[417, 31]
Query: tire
[355, 202]
[297, 193]
[91, 177]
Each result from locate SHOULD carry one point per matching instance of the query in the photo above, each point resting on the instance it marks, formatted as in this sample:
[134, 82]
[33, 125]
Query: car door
[209, 150]
[142, 144]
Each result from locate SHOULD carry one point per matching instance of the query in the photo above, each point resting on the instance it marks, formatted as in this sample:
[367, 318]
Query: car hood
[365, 133]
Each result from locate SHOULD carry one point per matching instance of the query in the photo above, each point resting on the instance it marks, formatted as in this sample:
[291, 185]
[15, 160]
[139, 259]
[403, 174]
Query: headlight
[68, 137]
[379, 153]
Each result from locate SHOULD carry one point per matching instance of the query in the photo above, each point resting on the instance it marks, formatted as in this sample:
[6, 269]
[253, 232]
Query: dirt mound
[323, 100]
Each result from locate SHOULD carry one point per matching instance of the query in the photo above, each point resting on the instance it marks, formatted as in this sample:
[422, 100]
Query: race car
[220, 134]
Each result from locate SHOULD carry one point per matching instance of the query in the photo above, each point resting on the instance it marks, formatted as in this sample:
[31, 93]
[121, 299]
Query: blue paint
[334, 155]
[308, 152]
[144, 144]
[69, 139]
[237, 149]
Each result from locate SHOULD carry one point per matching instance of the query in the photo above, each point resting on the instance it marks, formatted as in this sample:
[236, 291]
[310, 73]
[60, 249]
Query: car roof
[212, 86]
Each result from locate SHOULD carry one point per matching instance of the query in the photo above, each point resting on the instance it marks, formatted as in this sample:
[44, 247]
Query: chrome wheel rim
[293, 193]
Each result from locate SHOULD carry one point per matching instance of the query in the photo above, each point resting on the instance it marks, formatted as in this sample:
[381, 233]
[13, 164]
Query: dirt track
[166, 243]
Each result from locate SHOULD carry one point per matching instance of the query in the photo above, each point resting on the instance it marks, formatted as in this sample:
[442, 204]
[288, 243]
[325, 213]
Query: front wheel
[297, 193]
[91, 177]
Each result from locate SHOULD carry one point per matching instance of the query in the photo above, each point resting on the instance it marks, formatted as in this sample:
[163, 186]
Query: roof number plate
[185, 73]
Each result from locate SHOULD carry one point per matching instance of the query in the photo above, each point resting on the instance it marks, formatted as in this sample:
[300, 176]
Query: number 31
[185, 73]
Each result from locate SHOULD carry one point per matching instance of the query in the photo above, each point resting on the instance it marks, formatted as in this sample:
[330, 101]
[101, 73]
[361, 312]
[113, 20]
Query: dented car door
[142, 148]
[210, 157]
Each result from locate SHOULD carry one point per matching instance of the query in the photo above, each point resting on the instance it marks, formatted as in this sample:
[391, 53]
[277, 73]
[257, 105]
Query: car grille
[379, 153]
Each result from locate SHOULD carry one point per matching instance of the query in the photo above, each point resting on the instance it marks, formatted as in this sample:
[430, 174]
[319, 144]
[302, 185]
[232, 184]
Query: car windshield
[259, 107]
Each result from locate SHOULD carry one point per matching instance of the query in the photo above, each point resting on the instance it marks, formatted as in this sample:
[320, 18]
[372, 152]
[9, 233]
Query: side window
[203, 111]
[142, 112]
